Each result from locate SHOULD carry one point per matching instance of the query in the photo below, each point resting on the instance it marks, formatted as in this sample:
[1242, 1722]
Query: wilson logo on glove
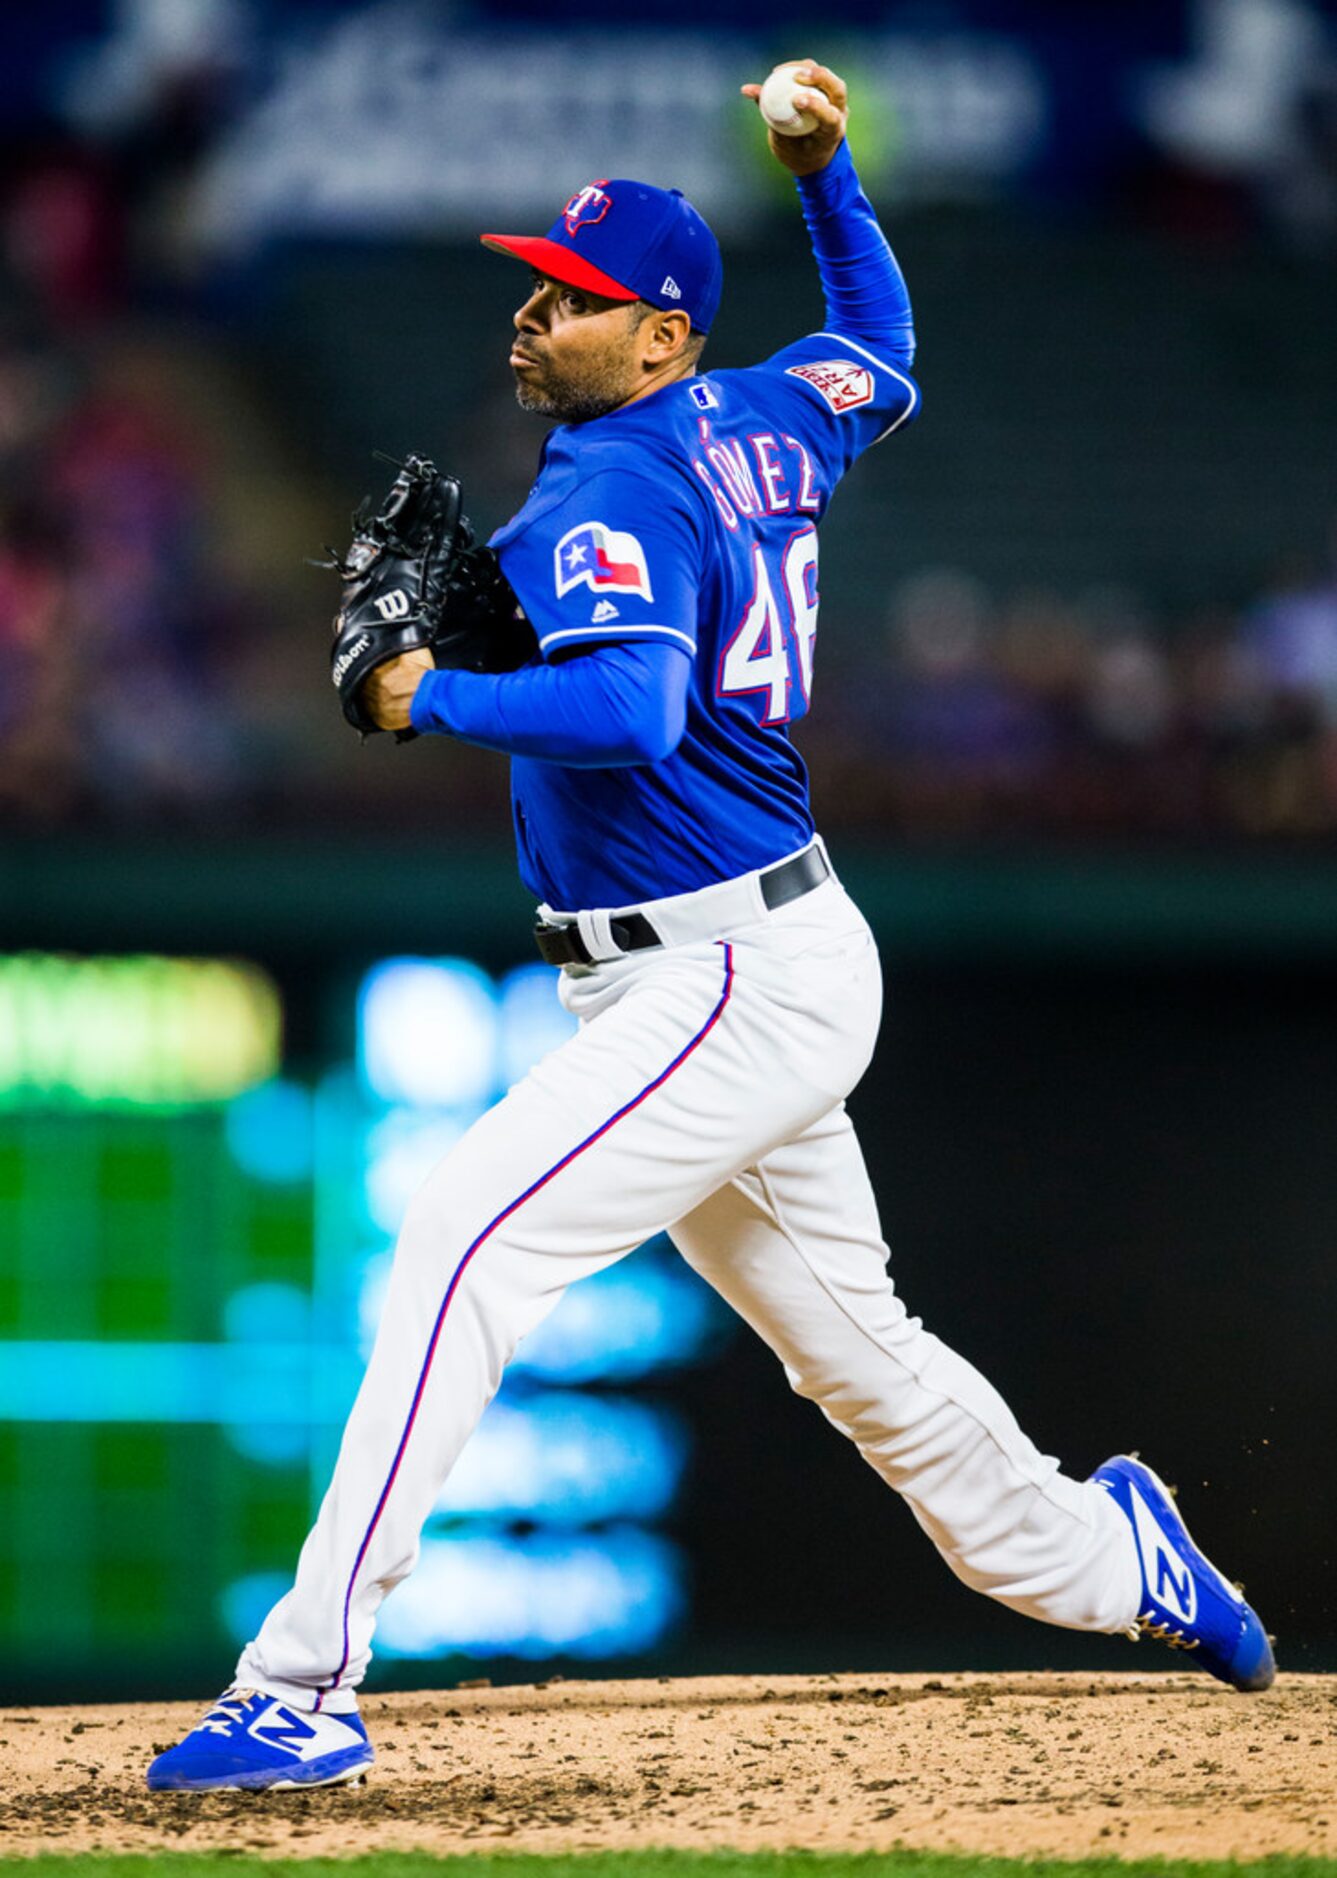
[348, 657]
[393, 605]
[601, 558]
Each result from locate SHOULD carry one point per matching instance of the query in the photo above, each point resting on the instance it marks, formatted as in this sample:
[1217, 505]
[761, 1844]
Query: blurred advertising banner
[401, 118]
[454, 122]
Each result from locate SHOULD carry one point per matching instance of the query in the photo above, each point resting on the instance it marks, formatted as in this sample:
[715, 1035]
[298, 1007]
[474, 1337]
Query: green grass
[649, 1864]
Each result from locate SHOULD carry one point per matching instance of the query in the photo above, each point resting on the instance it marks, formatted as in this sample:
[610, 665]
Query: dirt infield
[1063, 1765]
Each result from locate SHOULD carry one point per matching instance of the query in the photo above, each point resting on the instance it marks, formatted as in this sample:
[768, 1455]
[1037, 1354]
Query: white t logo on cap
[587, 206]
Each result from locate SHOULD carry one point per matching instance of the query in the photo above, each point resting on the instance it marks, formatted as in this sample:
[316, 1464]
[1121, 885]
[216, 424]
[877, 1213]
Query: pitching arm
[866, 295]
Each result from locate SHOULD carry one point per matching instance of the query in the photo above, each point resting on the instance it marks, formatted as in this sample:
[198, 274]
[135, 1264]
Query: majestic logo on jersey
[587, 206]
[843, 384]
[600, 558]
[604, 610]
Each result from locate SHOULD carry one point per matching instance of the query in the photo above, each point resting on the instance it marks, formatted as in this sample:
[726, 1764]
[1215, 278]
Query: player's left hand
[387, 691]
[418, 592]
[824, 97]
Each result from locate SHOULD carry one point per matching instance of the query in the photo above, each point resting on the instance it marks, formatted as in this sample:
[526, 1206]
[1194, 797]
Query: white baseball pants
[702, 1094]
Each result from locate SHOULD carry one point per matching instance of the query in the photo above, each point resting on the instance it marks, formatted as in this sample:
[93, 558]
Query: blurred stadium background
[1075, 750]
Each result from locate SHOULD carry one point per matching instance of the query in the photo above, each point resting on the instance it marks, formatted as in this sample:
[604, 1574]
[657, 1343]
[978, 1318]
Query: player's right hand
[825, 97]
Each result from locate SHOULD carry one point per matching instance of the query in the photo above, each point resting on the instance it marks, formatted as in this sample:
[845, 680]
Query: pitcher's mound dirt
[1023, 1764]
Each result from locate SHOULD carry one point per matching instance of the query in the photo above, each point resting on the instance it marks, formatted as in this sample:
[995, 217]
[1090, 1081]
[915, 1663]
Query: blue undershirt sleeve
[866, 296]
[597, 709]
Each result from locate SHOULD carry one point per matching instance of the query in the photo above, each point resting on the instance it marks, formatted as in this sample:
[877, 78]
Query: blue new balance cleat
[1185, 1600]
[249, 1739]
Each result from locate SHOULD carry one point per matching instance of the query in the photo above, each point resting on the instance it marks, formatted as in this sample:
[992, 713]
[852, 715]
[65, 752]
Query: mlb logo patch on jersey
[604, 559]
[843, 384]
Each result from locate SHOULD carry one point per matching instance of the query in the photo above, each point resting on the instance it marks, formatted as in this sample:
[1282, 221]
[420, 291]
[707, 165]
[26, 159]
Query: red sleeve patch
[843, 384]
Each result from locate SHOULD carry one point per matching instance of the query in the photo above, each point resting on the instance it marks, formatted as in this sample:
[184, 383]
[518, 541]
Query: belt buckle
[561, 943]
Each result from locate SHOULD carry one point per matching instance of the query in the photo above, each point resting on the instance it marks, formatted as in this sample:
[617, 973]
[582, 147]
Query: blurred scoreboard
[193, 1248]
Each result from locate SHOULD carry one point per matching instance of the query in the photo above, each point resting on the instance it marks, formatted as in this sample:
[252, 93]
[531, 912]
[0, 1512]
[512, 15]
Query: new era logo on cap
[629, 241]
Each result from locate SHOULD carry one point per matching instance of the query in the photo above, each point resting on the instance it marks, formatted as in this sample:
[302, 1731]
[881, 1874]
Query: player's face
[575, 354]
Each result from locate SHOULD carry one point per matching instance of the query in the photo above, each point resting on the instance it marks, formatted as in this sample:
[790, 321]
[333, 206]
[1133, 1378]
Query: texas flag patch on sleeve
[603, 559]
[843, 384]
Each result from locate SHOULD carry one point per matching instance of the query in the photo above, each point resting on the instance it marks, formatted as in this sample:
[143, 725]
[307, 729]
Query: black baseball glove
[415, 577]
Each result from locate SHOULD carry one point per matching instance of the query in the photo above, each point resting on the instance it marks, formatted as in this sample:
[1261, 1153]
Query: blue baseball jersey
[690, 518]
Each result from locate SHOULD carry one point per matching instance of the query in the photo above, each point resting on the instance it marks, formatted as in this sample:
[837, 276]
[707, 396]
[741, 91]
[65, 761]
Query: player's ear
[665, 334]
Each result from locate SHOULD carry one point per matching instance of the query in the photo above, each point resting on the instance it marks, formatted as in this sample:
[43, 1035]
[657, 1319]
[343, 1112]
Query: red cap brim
[558, 263]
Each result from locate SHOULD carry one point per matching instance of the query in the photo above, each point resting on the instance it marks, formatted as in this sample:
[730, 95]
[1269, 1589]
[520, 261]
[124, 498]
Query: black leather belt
[632, 932]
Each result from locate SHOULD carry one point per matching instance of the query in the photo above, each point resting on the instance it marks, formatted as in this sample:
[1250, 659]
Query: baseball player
[727, 989]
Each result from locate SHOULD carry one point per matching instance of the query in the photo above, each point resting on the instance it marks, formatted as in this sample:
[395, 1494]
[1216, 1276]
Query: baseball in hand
[777, 106]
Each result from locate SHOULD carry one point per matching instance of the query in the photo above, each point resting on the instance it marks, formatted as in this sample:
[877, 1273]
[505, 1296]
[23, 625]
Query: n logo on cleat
[283, 1728]
[1181, 1590]
[1168, 1578]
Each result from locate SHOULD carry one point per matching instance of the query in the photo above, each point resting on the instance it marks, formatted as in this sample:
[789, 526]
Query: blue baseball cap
[629, 241]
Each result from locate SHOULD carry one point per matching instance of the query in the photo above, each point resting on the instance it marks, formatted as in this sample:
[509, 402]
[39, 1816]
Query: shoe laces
[228, 1712]
[1146, 1625]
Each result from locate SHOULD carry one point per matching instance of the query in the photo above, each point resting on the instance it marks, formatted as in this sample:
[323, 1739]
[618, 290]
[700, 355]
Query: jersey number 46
[776, 631]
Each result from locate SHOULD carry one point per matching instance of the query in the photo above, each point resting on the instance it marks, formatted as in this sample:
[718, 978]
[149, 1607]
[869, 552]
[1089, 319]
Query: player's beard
[606, 381]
